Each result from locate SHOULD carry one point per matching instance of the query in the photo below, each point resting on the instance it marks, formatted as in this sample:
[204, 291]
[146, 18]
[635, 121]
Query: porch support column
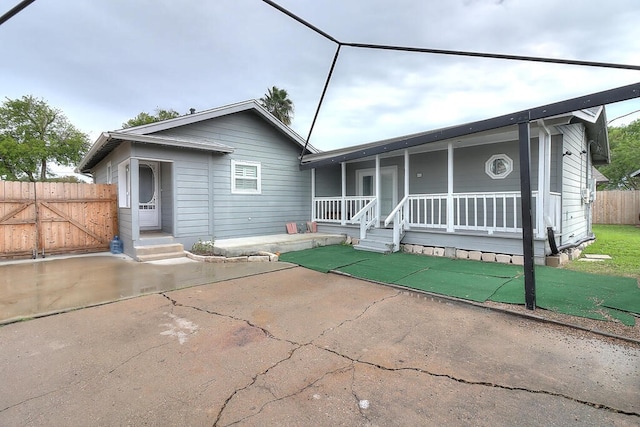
[406, 173]
[343, 201]
[542, 201]
[527, 224]
[450, 187]
[378, 210]
[313, 194]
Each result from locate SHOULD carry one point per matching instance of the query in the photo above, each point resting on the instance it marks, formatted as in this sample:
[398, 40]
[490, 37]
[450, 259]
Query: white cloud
[102, 62]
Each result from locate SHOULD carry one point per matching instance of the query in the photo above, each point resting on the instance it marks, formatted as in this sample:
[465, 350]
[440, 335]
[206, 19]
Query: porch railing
[337, 209]
[366, 217]
[400, 218]
[483, 211]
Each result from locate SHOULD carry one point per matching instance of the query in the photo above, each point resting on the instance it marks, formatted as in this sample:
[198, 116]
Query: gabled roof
[586, 109]
[599, 176]
[108, 141]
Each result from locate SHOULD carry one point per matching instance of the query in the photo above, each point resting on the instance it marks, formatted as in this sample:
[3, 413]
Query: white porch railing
[366, 217]
[482, 211]
[331, 209]
[428, 210]
[400, 218]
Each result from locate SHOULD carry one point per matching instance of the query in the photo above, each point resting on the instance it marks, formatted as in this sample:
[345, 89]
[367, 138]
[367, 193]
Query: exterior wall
[575, 212]
[469, 170]
[205, 206]
[329, 181]
[117, 156]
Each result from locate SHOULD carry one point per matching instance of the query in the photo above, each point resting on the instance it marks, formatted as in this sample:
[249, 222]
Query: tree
[32, 134]
[146, 118]
[625, 157]
[277, 102]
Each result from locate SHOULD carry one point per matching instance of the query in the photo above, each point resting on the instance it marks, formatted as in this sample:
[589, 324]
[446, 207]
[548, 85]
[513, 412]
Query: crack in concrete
[124, 362]
[355, 318]
[34, 397]
[356, 361]
[297, 392]
[484, 383]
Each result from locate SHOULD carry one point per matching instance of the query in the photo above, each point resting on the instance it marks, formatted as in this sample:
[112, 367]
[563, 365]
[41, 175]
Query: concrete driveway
[297, 347]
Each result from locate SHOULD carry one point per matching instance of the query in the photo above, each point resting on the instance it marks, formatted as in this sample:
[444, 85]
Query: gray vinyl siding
[575, 213]
[433, 168]
[329, 181]
[286, 191]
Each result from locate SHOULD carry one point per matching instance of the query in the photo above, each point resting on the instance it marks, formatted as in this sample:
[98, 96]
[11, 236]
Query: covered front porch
[461, 188]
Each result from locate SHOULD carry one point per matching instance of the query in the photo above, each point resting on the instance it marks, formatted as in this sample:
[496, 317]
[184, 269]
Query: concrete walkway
[33, 288]
[275, 243]
[298, 347]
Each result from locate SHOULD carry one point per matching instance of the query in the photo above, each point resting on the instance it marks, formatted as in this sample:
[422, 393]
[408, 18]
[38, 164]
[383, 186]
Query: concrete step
[371, 245]
[158, 252]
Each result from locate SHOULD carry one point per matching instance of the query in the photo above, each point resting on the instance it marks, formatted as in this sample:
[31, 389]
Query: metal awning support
[527, 222]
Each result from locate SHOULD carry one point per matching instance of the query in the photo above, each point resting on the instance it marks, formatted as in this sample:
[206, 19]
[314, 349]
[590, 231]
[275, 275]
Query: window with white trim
[246, 177]
[498, 166]
[109, 172]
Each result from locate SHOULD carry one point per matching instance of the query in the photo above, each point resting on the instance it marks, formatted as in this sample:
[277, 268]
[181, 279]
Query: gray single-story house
[464, 193]
[223, 173]
[236, 171]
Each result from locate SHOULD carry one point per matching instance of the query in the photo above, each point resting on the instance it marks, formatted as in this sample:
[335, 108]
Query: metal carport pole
[525, 203]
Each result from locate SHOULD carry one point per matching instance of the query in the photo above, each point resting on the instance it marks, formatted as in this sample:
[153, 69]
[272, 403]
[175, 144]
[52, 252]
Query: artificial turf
[570, 292]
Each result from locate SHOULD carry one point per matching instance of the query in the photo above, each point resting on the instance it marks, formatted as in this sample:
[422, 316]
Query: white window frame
[241, 163]
[508, 164]
[109, 173]
[124, 184]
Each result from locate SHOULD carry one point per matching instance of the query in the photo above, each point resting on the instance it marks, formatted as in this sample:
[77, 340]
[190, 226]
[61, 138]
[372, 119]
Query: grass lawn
[622, 243]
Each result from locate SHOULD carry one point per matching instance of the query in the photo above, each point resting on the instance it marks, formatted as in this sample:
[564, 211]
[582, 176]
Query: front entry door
[388, 187]
[148, 195]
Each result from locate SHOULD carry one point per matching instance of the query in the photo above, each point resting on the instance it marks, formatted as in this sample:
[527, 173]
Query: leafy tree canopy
[625, 157]
[277, 102]
[146, 118]
[32, 134]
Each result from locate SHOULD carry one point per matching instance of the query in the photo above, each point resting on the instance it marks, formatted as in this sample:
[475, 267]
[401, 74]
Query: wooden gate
[53, 217]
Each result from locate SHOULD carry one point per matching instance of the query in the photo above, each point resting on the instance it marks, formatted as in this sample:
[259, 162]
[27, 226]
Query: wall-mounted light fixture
[566, 153]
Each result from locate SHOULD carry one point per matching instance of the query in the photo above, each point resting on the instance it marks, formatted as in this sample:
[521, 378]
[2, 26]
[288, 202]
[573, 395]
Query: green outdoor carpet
[565, 291]
[468, 286]
[327, 258]
[563, 297]
[482, 268]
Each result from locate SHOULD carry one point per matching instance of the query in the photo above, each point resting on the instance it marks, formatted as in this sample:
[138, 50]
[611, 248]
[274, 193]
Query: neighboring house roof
[634, 174]
[593, 117]
[108, 141]
[599, 176]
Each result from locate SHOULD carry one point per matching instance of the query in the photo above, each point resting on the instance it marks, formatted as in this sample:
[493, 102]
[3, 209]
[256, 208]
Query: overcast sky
[103, 61]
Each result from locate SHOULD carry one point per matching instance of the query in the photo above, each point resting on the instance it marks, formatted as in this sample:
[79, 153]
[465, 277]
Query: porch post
[450, 187]
[343, 201]
[541, 180]
[313, 194]
[527, 225]
[378, 210]
[406, 173]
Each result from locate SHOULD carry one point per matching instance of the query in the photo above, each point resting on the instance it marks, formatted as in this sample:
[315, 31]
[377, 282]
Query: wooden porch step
[158, 252]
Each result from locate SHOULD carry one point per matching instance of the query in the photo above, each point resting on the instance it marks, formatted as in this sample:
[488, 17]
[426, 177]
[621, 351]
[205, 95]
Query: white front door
[366, 179]
[148, 195]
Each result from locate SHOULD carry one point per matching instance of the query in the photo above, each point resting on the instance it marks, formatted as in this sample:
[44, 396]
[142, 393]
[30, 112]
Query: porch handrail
[399, 216]
[366, 217]
[395, 210]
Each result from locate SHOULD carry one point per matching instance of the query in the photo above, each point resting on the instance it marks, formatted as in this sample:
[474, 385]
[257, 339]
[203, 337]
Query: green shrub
[203, 248]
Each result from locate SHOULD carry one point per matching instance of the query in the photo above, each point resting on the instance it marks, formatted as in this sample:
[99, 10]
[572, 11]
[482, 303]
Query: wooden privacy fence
[617, 207]
[54, 217]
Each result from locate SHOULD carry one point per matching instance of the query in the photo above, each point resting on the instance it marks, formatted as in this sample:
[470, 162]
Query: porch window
[245, 177]
[499, 166]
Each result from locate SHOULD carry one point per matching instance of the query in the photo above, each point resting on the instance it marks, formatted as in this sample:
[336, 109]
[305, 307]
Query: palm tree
[277, 102]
